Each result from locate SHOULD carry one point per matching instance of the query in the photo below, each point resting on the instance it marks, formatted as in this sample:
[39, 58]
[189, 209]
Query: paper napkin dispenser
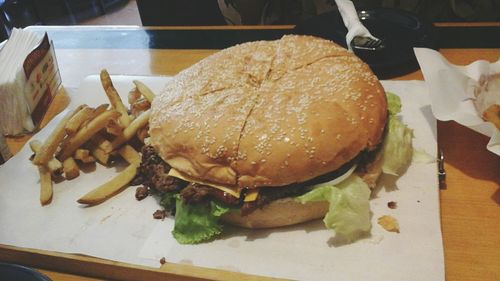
[29, 80]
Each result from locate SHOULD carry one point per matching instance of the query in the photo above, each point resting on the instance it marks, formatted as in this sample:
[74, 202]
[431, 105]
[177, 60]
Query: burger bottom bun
[287, 211]
[282, 212]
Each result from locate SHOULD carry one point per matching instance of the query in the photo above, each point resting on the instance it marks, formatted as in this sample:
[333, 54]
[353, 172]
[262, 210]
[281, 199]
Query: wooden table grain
[470, 213]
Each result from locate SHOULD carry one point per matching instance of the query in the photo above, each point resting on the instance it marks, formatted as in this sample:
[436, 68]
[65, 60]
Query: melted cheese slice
[251, 195]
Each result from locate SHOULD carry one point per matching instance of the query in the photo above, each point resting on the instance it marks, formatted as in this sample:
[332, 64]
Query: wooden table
[470, 212]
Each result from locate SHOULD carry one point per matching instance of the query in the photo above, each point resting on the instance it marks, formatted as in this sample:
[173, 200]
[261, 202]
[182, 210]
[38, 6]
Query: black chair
[16, 13]
[180, 12]
[74, 11]
[22, 13]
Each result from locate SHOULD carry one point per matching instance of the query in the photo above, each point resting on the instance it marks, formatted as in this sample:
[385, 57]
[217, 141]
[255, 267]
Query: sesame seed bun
[269, 113]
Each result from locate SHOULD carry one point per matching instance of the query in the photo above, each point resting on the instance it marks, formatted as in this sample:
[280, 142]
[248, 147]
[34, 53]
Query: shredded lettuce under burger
[397, 146]
[195, 223]
[349, 208]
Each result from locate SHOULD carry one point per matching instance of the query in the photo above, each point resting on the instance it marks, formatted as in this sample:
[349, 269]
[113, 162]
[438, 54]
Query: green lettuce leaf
[195, 223]
[393, 103]
[168, 200]
[349, 209]
[397, 149]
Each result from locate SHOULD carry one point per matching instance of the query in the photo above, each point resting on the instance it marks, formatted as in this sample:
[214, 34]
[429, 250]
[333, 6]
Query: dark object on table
[392, 204]
[441, 171]
[160, 214]
[366, 44]
[141, 192]
[20, 273]
[400, 31]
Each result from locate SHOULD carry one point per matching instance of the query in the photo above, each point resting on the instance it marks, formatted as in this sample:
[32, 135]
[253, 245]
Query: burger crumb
[141, 192]
[160, 214]
[163, 261]
[389, 223]
[392, 205]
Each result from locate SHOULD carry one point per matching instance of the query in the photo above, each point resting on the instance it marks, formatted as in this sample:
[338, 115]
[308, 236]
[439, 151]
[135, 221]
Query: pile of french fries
[86, 135]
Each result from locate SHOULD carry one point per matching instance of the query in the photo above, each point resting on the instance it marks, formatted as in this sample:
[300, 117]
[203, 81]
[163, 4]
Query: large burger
[272, 133]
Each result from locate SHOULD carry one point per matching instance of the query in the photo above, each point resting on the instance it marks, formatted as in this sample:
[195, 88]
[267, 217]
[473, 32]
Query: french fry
[110, 188]
[96, 112]
[144, 90]
[84, 156]
[114, 128]
[133, 95]
[131, 130]
[81, 135]
[70, 168]
[100, 155]
[114, 98]
[86, 132]
[45, 185]
[88, 159]
[130, 154]
[100, 109]
[54, 165]
[81, 153]
[139, 106]
[102, 143]
[78, 119]
[50, 145]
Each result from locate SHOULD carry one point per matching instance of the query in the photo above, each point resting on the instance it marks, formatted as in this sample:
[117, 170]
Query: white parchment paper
[122, 229]
[113, 230]
[451, 90]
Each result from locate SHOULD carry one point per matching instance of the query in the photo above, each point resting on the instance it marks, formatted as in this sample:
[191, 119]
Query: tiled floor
[126, 15]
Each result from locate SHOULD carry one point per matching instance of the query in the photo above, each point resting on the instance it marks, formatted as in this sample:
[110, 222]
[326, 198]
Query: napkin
[29, 78]
[451, 90]
[351, 22]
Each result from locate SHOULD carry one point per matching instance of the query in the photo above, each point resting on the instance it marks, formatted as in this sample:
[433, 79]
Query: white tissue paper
[451, 90]
[352, 22]
[29, 79]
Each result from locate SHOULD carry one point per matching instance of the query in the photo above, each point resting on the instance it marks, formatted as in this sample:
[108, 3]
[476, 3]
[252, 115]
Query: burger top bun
[269, 113]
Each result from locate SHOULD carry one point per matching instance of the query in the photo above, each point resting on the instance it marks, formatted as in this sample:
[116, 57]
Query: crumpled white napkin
[451, 91]
[352, 22]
